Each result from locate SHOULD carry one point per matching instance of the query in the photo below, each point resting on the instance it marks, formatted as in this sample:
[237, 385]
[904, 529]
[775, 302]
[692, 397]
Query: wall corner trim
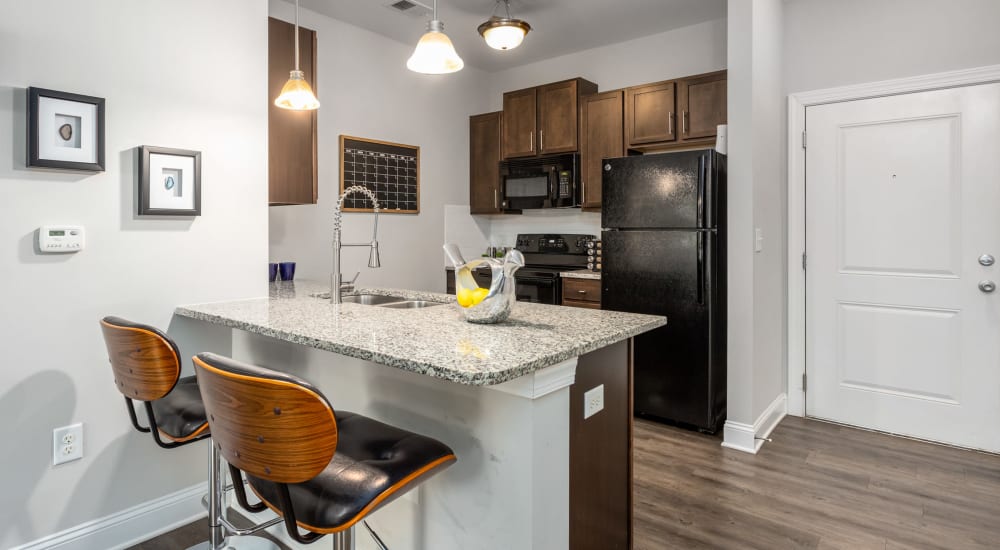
[749, 439]
[130, 526]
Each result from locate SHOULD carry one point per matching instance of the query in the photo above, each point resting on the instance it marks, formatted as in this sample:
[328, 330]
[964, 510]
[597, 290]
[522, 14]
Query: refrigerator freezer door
[669, 273]
[658, 191]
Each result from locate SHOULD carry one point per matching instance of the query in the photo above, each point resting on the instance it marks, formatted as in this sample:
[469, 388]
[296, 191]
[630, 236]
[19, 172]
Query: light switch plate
[593, 401]
[758, 239]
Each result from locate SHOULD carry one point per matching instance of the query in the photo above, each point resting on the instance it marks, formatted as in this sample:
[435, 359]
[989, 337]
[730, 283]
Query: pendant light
[434, 53]
[296, 94]
[503, 33]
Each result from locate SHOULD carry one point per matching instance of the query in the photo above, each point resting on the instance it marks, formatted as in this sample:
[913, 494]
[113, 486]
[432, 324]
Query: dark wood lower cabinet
[600, 479]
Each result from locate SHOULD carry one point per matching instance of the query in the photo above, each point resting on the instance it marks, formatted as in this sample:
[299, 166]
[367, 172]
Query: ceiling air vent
[409, 8]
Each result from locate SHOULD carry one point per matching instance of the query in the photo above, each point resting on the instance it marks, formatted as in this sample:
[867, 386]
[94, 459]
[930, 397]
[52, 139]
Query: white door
[902, 209]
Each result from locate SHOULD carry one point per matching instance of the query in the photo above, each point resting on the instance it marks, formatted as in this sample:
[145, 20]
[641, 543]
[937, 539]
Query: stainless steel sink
[412, 304]
[372, 299]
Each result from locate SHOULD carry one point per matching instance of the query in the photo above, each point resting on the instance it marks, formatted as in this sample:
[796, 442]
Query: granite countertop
[434, 341]
[582, 274]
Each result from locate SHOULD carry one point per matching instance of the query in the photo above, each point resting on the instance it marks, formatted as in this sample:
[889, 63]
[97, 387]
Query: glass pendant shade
[504, 34]
[296, 94]
[435, 53]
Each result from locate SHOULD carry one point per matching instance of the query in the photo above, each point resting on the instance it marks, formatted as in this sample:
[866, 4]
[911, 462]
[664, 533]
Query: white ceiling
[558, 26]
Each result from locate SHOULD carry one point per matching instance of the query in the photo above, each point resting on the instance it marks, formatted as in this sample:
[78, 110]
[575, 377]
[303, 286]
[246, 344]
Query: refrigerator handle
[701, 192]
[701, 268]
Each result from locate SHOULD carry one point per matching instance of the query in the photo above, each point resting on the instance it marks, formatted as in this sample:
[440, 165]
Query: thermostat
[60, 238]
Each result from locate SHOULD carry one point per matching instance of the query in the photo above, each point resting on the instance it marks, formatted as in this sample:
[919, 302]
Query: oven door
[540, 289]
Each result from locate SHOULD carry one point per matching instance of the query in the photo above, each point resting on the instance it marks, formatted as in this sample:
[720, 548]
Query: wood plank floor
[817, 485]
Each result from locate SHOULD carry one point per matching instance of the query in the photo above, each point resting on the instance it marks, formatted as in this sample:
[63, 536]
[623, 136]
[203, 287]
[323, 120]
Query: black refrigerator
[663, 218]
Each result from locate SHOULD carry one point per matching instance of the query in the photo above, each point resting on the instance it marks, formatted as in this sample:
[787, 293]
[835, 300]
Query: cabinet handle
[583, 192]
[531, 141]
[684, 121]
[670, 123]
[496, 205]
[582, 291]
[541, 140]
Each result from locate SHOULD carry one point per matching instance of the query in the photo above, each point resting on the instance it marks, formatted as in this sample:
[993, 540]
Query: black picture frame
[144, 181]
[34, 158]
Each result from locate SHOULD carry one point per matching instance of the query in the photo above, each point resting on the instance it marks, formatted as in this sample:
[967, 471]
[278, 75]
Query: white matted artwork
[65, 130]
[169, 182]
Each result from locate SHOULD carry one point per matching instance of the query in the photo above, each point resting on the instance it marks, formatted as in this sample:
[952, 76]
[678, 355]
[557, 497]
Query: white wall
[366, 90]
[184, 74]
[756, 287]
[854, 41]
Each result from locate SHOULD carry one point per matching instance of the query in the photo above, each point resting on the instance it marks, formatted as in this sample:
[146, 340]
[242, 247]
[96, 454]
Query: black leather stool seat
[181, 414]
[374, 463]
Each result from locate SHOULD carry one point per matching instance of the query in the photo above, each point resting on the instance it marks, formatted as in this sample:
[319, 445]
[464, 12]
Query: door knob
[987, 286]
[607, 167]
[986, 260]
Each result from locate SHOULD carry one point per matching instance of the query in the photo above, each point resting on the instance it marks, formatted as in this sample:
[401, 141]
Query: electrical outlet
[67, 444]
[593, 401]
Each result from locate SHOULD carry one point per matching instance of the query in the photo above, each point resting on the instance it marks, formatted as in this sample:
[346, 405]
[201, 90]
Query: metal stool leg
[374, 535]
[343, 540]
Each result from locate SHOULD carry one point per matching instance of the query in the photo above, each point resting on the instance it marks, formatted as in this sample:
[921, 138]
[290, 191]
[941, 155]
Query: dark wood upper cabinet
[557, 118]
[484, 161]
[602, 135]
[649, 113]
[519, 123]
[676, 113]
[701, 101]
[543, 120]
[291, 135]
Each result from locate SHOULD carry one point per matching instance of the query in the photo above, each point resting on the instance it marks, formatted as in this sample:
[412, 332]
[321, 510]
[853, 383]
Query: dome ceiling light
[504, 33]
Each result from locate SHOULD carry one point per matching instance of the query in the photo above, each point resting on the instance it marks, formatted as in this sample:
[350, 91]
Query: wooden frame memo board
[390, 170]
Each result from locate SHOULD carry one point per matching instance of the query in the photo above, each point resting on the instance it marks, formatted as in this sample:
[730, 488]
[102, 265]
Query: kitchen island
[508, 398]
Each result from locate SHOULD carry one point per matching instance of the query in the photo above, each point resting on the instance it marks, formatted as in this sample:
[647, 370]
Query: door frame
[796, 194]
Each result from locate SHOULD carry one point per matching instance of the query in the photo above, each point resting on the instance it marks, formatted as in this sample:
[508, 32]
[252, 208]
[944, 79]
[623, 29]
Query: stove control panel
[553, 243]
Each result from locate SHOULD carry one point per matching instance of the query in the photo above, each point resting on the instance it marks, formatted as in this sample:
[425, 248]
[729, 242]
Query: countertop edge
[419, 367]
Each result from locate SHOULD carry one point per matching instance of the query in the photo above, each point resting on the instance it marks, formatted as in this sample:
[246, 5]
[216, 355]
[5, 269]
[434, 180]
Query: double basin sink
[392, 302]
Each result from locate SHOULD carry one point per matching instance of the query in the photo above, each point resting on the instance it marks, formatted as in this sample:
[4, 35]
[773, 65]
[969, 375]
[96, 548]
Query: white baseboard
[131, 526]
[747, 438]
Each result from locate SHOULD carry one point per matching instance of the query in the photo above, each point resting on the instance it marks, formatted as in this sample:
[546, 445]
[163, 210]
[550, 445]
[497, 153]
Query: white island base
[509, 488]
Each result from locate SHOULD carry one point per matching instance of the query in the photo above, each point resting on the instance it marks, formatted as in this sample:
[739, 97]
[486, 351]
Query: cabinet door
[649, 113]
[557, 112]
[702, 104]
[484, 163]
[519, 123]
[602, 136]
[291, 135]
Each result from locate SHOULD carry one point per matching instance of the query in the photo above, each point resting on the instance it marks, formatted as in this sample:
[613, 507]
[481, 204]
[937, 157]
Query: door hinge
[803, 139]
[803, 381]
[803, 261]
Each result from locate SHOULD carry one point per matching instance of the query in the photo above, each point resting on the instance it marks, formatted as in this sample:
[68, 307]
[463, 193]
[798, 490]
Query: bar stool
[320, 470]
[147, 367]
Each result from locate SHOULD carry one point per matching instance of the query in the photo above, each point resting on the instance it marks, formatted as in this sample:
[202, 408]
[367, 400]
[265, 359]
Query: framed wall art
[169, 182]
[65, 130]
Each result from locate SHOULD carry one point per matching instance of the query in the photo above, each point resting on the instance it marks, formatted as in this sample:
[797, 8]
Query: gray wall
[186, 74]
[366, 91]
[853, 41]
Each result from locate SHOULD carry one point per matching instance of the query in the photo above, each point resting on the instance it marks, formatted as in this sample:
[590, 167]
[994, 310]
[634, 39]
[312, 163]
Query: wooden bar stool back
[147, 367]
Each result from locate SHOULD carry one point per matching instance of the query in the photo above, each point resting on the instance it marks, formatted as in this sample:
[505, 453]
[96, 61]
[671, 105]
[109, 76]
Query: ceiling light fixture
[435, 53]
[503, 33]
[296, 94]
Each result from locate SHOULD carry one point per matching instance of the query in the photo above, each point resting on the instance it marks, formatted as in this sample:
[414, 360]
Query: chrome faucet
[337, 286]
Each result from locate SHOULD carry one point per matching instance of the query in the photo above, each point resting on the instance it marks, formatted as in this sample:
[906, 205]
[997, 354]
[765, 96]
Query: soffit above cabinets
[558, 27]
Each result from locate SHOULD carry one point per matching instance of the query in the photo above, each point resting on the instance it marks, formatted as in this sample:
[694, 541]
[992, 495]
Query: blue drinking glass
[272, 272]
[287, 270]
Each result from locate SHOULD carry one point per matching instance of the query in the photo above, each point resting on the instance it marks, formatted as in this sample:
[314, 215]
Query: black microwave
[540, 182]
